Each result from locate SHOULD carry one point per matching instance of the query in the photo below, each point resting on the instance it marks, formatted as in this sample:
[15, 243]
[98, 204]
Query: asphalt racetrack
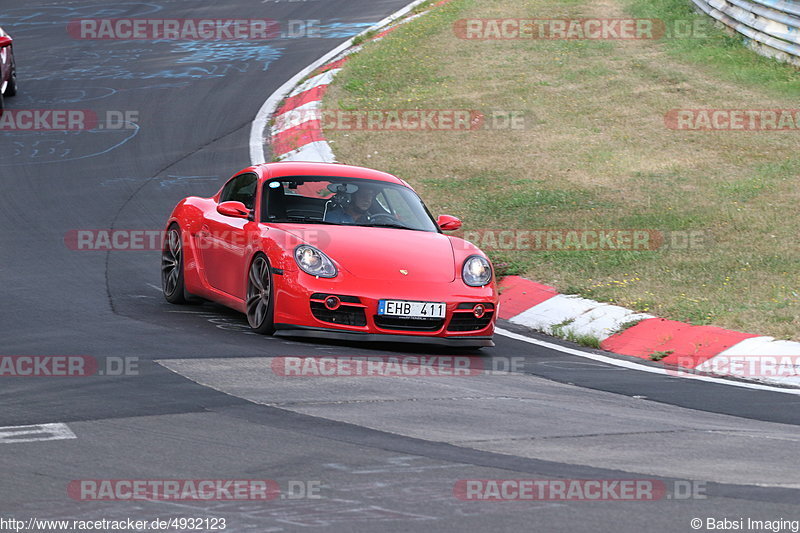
[202, 400]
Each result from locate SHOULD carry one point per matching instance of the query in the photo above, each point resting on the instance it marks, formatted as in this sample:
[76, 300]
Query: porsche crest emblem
[404, 272]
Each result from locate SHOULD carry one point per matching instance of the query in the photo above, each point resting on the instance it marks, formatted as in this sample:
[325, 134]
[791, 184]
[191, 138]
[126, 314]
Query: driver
[356, 211]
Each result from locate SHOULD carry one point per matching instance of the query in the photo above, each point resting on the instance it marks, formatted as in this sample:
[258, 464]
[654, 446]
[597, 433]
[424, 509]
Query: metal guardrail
[770, 27]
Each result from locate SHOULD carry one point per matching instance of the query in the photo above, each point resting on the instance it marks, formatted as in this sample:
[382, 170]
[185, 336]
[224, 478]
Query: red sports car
[8, 68]
[329, 250]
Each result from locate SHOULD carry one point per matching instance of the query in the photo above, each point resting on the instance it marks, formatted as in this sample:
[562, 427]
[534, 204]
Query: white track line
[40, 432]
[640, 367]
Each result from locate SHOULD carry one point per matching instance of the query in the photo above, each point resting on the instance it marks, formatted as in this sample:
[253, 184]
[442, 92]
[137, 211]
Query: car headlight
[315, 262]
[477, 271]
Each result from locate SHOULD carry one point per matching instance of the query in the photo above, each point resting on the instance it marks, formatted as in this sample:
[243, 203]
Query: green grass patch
[658, 356]
[694, 37]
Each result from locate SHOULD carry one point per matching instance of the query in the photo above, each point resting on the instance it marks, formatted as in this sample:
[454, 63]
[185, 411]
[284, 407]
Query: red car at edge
[8, 68]
[333, 251]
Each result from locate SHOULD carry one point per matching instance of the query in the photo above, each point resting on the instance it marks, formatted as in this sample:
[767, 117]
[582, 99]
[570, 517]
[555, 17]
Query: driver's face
[363, 198]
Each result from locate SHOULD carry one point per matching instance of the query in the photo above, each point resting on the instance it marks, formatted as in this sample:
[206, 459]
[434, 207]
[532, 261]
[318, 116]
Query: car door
[224, 239]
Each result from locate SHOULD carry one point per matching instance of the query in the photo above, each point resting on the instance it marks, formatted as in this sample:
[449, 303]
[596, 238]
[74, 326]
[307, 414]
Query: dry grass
[595, 154]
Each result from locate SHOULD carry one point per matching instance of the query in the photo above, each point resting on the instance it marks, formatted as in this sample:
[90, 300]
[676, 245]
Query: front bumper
[299, 298]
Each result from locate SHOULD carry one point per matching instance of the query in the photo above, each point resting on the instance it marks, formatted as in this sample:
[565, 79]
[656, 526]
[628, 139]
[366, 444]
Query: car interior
[289, 201]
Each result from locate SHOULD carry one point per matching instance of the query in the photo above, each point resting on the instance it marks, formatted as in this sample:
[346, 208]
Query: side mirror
[5, 41]
[233, 209]
[448, 223]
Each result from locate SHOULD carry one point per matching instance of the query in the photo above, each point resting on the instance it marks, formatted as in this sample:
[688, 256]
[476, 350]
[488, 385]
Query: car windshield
[344, 201]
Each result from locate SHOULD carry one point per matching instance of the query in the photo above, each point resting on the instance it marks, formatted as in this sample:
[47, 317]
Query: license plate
[412, 309]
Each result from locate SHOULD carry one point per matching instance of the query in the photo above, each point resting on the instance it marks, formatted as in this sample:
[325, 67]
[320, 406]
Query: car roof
[301, 168]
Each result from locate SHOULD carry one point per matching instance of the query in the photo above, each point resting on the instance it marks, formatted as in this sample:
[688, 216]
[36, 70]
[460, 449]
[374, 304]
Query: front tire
[260, 296]
[172, 267]
[11, 88]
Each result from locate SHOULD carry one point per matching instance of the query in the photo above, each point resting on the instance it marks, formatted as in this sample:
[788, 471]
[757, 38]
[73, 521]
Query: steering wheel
[381, 218]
